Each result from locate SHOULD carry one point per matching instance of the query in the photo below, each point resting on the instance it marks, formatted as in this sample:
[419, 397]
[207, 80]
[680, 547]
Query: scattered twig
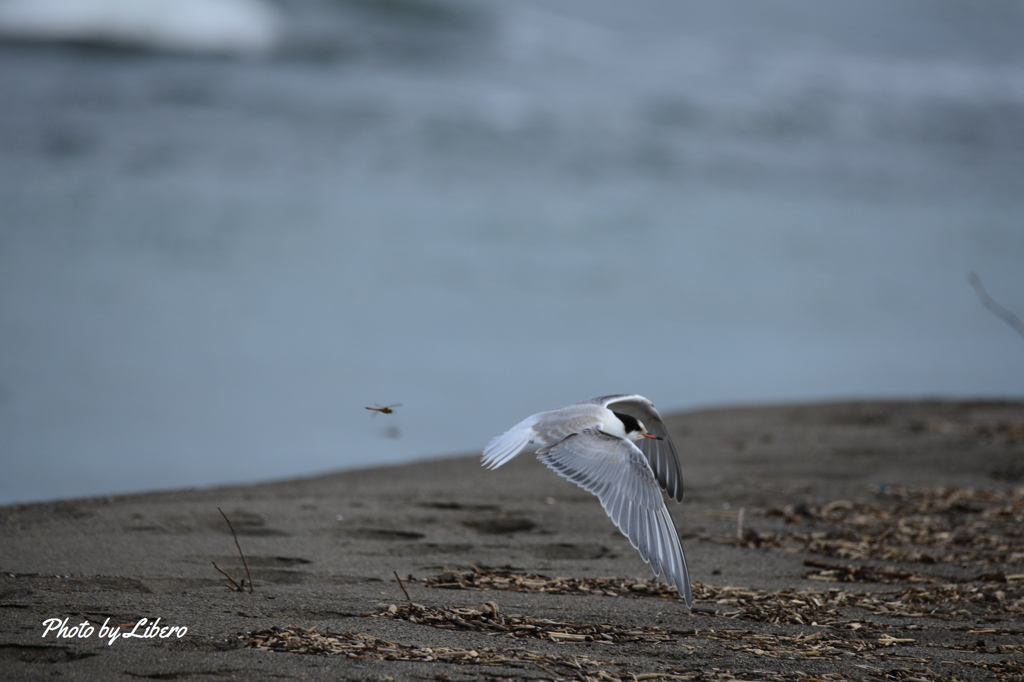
[488, 619]
[404, 591]
[739, 525]
[531, 582]
[359, 646]
[999, 311]
[835, 573]
[238, 588]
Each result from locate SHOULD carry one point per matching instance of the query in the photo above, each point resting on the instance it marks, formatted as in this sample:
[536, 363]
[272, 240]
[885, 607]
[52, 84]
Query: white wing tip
[506, 446]
[503, 449]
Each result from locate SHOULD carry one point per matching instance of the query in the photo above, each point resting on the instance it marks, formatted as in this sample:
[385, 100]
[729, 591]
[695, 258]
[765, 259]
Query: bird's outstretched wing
[509, 444]
[614, 470]
[544, 428]
[660, 453]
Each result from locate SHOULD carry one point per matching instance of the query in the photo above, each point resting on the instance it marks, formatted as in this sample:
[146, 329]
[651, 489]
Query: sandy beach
[867, 540]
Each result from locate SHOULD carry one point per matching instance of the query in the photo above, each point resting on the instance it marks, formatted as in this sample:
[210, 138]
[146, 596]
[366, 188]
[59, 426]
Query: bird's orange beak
[650, 435]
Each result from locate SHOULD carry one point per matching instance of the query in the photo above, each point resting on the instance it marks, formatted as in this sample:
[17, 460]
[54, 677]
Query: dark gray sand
[880, 540]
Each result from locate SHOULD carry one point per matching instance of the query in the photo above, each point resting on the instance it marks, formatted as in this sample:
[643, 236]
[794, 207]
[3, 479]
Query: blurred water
[208, 268]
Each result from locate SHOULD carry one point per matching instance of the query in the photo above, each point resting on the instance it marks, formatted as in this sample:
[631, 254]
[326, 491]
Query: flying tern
[616, 447]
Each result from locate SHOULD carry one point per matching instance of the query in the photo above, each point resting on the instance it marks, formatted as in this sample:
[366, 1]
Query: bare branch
[244, 562]
[237, 587]
[996, 309]
[404, 591]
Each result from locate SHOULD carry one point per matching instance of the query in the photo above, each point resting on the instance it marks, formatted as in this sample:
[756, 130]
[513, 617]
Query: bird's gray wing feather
[544, 428]
[617, 472]
[660, 453]
[509, 444]
[555, 425]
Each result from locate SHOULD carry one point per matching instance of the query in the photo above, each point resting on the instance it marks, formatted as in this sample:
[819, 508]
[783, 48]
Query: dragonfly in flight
[385, 409]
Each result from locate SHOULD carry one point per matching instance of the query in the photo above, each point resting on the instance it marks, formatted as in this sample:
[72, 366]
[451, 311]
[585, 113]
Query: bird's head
[634, 428]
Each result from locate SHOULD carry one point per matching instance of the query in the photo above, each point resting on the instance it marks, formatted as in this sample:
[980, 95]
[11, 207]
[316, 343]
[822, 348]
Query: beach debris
[877, 601]
[852, 636]
[383, 409]
[235, 586]
[999, 595]
[487, 619]
[1002, 431]
[895, 539]
[356, 645]
[978, 529]
[482, 579]
[871, 643]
